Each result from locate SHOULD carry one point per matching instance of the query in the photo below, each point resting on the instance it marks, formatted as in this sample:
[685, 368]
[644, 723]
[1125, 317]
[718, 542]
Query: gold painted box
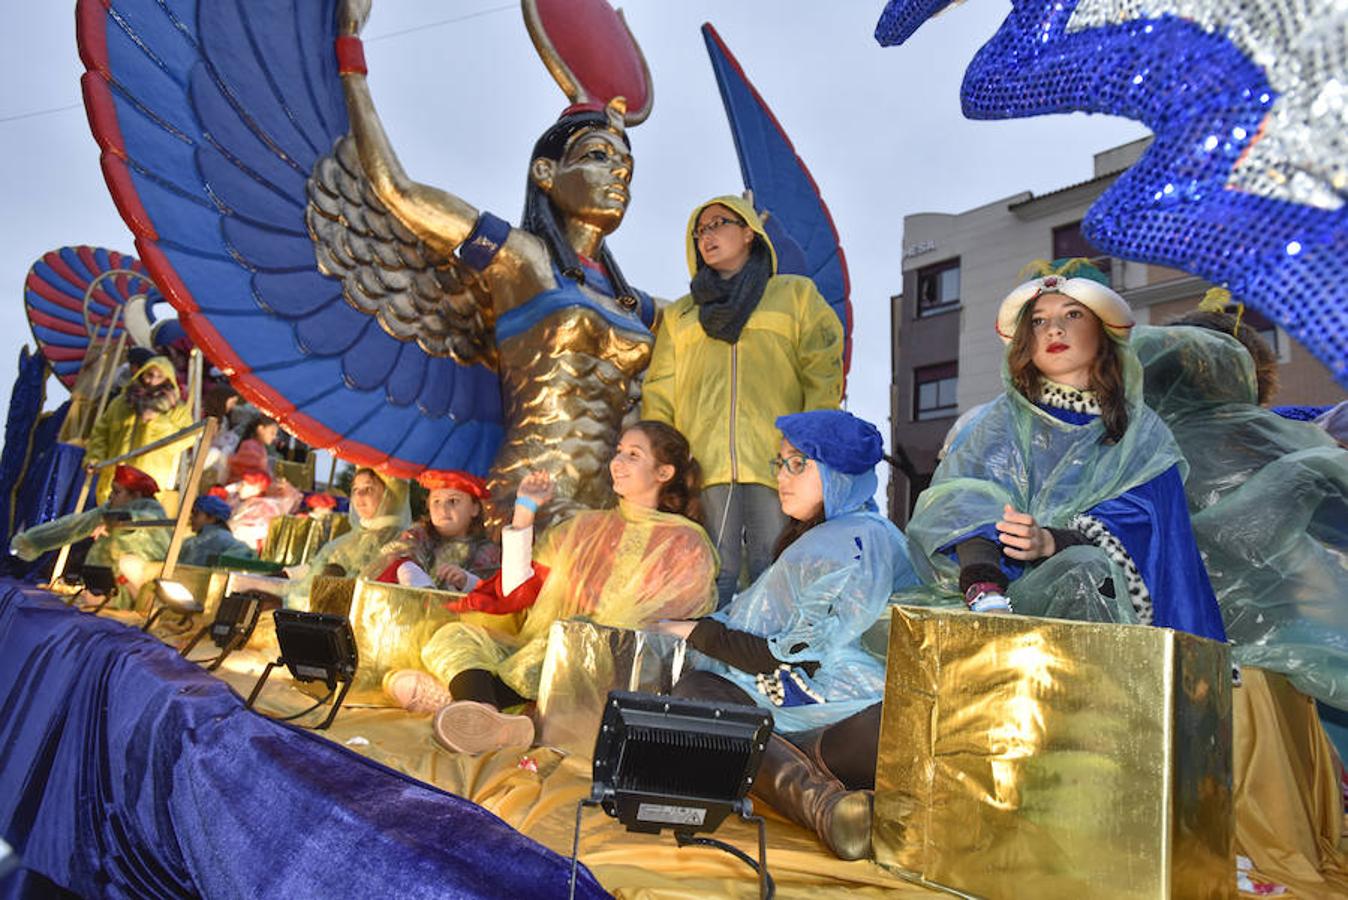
[584, 662]
[1039, 758]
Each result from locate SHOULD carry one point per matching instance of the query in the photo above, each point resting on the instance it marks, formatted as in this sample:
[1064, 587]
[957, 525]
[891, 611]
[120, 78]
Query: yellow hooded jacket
[725, 398]
[120, 430]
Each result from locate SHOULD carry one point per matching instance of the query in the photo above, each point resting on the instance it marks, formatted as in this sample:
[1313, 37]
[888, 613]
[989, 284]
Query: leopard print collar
[1063, 397]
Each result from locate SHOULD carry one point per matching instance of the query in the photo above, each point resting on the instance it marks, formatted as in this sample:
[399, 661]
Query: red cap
[134, 479]
[260, 479]
[454, 480]
[320, 501]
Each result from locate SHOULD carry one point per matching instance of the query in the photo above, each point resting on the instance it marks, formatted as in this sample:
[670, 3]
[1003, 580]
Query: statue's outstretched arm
[438, 217]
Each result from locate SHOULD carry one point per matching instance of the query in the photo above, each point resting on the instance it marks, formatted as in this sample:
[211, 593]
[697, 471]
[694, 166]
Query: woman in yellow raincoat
[627, 567]
[148, 409]
[379, 513]
[744, 346]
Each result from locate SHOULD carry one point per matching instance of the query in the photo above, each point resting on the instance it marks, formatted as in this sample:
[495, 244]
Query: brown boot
[802, 789]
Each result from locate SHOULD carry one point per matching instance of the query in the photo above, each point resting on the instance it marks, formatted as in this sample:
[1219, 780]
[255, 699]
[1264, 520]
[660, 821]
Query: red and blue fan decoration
[784, 191]
[54, 298]
[211, 118]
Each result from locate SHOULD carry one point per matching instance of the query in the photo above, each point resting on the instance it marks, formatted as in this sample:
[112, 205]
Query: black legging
[848, 747]
[484, 687]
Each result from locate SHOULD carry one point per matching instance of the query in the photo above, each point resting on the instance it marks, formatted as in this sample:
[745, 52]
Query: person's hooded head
[378, 502]
[153, 386]
[731, 259]
[842, 449]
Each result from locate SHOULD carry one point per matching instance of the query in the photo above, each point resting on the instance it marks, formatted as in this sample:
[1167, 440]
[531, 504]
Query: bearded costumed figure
[148, 409]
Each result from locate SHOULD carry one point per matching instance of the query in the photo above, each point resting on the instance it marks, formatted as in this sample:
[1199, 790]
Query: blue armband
[486, 240]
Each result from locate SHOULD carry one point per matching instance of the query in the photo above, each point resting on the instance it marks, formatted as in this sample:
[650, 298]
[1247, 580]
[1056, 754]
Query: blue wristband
[528, 503]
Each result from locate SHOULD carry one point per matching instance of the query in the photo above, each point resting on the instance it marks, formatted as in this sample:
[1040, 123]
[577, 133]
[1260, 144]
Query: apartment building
[957, 267]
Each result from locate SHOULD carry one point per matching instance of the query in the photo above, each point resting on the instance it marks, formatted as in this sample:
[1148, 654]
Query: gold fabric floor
[1307, 857]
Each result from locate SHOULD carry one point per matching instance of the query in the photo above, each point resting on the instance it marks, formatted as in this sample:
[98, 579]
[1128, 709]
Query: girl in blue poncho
[791, 641]
[1065, 495]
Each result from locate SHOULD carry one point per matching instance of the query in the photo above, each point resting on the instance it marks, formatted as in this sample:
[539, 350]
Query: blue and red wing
[53, 296]
[210, 117]
[798, 222]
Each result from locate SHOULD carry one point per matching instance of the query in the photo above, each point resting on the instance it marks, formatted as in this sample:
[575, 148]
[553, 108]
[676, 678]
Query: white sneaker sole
[467, 726]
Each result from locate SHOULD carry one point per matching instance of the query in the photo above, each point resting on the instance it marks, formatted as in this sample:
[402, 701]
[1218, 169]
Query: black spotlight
[666, 762]
[99, 581]
[235, 619]
[314, 647]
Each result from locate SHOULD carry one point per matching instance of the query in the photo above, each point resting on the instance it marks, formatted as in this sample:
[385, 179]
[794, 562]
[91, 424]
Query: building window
[1070, 243]
[938, 287]
[934, 389]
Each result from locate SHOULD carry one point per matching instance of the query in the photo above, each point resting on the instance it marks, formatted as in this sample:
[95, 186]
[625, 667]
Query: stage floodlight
[99, 581]
[667, 762]
[171, 595]
[314, 647]
[233, 625]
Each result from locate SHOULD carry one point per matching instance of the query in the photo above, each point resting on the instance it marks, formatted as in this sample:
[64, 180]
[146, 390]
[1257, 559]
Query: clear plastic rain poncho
[625, 568]
[1269, 499]
[211, 542]
[1014, 452]
[130, 552]
[815, 601]
[355, 549]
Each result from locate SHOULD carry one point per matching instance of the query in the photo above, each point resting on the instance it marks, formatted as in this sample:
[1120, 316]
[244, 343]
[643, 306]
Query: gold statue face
[590, 182]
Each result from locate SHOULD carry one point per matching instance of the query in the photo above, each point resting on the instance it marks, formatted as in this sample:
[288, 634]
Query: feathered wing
[53, 296]
[797, 218]
[388, 272]
[1244, 184]
[221, 128]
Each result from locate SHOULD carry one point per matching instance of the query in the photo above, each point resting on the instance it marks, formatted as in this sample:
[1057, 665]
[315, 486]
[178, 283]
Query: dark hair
[540, 215]
[1106, 379]
[682, 494]
[1265, 361]
[793, 529]
[476, 528]
[250, 432]
[215, 400]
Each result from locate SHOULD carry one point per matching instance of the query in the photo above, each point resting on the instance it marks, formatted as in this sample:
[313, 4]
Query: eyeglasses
[794, 464]
[707, 228]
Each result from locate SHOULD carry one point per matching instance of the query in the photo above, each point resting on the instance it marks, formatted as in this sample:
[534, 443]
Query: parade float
[395, 325]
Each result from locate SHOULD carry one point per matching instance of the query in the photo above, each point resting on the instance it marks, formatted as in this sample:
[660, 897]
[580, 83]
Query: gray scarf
[725, 304]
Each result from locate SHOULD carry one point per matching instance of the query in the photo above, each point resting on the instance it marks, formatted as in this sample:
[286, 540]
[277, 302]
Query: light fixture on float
[233, 625]
[666, 762]
[314, 647]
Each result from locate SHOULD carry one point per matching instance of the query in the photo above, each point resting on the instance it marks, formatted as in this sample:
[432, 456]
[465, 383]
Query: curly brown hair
[1265, 360]
[1106, 379]
[682, 494]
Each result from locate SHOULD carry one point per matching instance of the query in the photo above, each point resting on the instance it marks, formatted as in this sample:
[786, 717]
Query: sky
[463, 96]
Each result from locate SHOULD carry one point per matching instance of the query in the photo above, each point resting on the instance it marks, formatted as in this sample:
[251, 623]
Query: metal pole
[111, 376]
[187, 496]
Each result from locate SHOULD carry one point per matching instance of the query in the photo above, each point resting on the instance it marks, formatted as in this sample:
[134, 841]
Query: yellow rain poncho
[625, 568]
[726, 397]
[121, 429]
[129, 552]
[357, 548]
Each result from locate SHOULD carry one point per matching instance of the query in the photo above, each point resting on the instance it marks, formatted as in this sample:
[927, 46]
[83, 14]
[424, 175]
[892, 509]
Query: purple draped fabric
[127, 772]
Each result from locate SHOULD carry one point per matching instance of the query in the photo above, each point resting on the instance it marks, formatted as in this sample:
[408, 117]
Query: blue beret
[212, 506]
[836, 438]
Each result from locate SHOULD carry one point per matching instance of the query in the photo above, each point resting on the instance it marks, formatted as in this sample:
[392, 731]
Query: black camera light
[667, 762]
[235, 619]
[314, 647]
